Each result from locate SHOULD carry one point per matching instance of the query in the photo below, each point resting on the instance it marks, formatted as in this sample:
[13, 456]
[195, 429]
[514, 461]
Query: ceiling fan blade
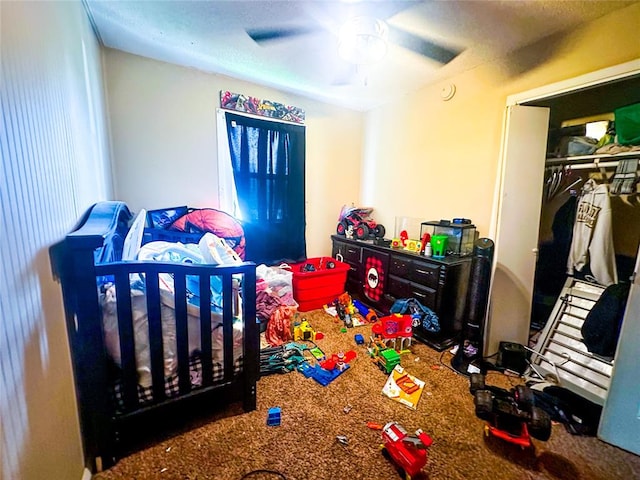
[421, 46]
[261, 35]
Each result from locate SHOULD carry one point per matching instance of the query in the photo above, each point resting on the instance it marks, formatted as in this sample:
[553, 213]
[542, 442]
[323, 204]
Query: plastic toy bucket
[439, 245]
[322, 285]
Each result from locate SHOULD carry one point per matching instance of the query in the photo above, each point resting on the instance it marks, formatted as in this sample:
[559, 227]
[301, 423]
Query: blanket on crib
[209, 251]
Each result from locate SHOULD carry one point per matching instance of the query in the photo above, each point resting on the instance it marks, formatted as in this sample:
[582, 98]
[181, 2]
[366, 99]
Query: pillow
[165, 217]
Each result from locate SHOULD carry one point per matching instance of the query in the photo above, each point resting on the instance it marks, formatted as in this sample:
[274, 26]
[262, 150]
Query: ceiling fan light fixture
[363, 40]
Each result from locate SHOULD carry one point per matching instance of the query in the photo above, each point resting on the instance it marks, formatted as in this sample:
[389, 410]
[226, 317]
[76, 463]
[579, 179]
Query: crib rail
[230, 276]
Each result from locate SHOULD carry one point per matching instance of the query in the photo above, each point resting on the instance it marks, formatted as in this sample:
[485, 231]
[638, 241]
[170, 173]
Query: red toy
[338, 359]
[393, 326]
[361, 222]
[408, 452]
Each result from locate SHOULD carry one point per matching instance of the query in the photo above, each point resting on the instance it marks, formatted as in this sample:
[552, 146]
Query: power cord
[448, 366]
[263, 471]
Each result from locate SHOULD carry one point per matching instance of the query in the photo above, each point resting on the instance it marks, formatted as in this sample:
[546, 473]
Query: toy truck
[385, 358]
[407, 452]
[510, 414]
[359, 221]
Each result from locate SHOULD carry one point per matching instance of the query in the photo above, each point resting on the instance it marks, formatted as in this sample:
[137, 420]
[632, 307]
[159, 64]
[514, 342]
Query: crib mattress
[171, 386]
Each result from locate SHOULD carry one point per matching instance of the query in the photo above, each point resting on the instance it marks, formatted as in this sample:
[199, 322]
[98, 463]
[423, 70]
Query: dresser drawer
[353, 274]
[426, 296]
[399, 288]
[347, 253]
[400, 266]
[352, 254]
[426, 274]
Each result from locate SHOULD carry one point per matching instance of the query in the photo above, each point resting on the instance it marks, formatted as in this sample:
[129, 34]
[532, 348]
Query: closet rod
[590, 165]
[590, 159]
[582, 166]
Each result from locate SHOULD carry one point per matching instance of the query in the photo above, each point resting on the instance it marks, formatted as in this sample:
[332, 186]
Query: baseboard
[86, 475]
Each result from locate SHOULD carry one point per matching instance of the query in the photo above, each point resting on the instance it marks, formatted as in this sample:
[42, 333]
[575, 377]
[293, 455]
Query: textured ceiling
[212, 36]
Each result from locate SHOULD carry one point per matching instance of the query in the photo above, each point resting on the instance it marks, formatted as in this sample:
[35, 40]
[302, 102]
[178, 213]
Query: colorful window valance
[264, 108]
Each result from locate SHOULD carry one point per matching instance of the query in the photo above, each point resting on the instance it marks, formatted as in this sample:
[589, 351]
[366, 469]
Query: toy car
[510, 414]
[407, 452]
[360, 222]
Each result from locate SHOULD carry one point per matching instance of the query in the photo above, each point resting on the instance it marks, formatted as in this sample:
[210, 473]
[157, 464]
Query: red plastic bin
[323, 285]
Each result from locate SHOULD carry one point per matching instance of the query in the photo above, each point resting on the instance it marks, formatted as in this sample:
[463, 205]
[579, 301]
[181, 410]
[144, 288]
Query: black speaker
[512, 356]
[472, 338]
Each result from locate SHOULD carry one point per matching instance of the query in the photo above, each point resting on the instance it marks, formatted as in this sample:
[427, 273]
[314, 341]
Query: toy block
[274, 417]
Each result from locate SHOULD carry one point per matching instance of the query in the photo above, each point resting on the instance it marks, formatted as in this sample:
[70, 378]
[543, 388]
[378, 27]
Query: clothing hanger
[548, 182]
[568, 188]
[559, 179]
[603, 171]
[589, 185]
[626, 199]
[554, 181]
[567, 180]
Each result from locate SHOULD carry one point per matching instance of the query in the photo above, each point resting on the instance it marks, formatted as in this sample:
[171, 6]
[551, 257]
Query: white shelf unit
[561, 352]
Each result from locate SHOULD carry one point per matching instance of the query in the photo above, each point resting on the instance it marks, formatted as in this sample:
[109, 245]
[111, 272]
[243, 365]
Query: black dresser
[379, 275]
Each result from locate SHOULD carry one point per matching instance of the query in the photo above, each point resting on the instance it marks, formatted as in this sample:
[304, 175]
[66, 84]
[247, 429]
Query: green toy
[387, 360]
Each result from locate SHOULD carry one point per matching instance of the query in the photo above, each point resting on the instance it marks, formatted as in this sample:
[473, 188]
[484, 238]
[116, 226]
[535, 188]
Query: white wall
[54, 165]
[164, 141]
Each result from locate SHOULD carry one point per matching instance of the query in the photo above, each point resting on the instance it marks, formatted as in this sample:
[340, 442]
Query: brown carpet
[304, 446]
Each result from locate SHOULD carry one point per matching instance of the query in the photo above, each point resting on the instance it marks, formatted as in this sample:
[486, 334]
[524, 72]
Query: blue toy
[274, 417]
[322, 376]
[359, 338]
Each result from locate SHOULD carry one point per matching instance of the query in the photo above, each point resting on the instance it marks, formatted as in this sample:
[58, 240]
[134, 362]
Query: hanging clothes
[562, 227]
[601, 327]
[592, 243]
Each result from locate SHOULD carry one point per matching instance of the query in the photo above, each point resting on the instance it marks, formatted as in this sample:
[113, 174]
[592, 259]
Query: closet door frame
[592, 79]
[623, 410]
[501, 321]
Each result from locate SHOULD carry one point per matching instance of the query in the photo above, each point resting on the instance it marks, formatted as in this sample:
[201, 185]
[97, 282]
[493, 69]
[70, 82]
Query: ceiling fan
[362, 31]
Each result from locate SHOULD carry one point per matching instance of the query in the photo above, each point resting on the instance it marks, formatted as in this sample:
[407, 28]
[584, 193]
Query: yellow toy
[346, 301]
[303, 331]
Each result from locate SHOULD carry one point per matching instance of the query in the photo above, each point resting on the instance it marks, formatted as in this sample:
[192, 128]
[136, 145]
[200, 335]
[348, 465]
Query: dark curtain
[268, 160]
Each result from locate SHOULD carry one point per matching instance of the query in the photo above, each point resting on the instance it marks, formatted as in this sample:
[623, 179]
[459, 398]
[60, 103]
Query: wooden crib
[111, 399]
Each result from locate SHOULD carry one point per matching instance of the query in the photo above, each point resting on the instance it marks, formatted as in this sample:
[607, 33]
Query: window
[268, 163]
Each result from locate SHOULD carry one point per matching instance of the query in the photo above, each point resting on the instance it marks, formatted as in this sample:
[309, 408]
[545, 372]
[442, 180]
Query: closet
[523, 296]
[562, 303]
[564, 181]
